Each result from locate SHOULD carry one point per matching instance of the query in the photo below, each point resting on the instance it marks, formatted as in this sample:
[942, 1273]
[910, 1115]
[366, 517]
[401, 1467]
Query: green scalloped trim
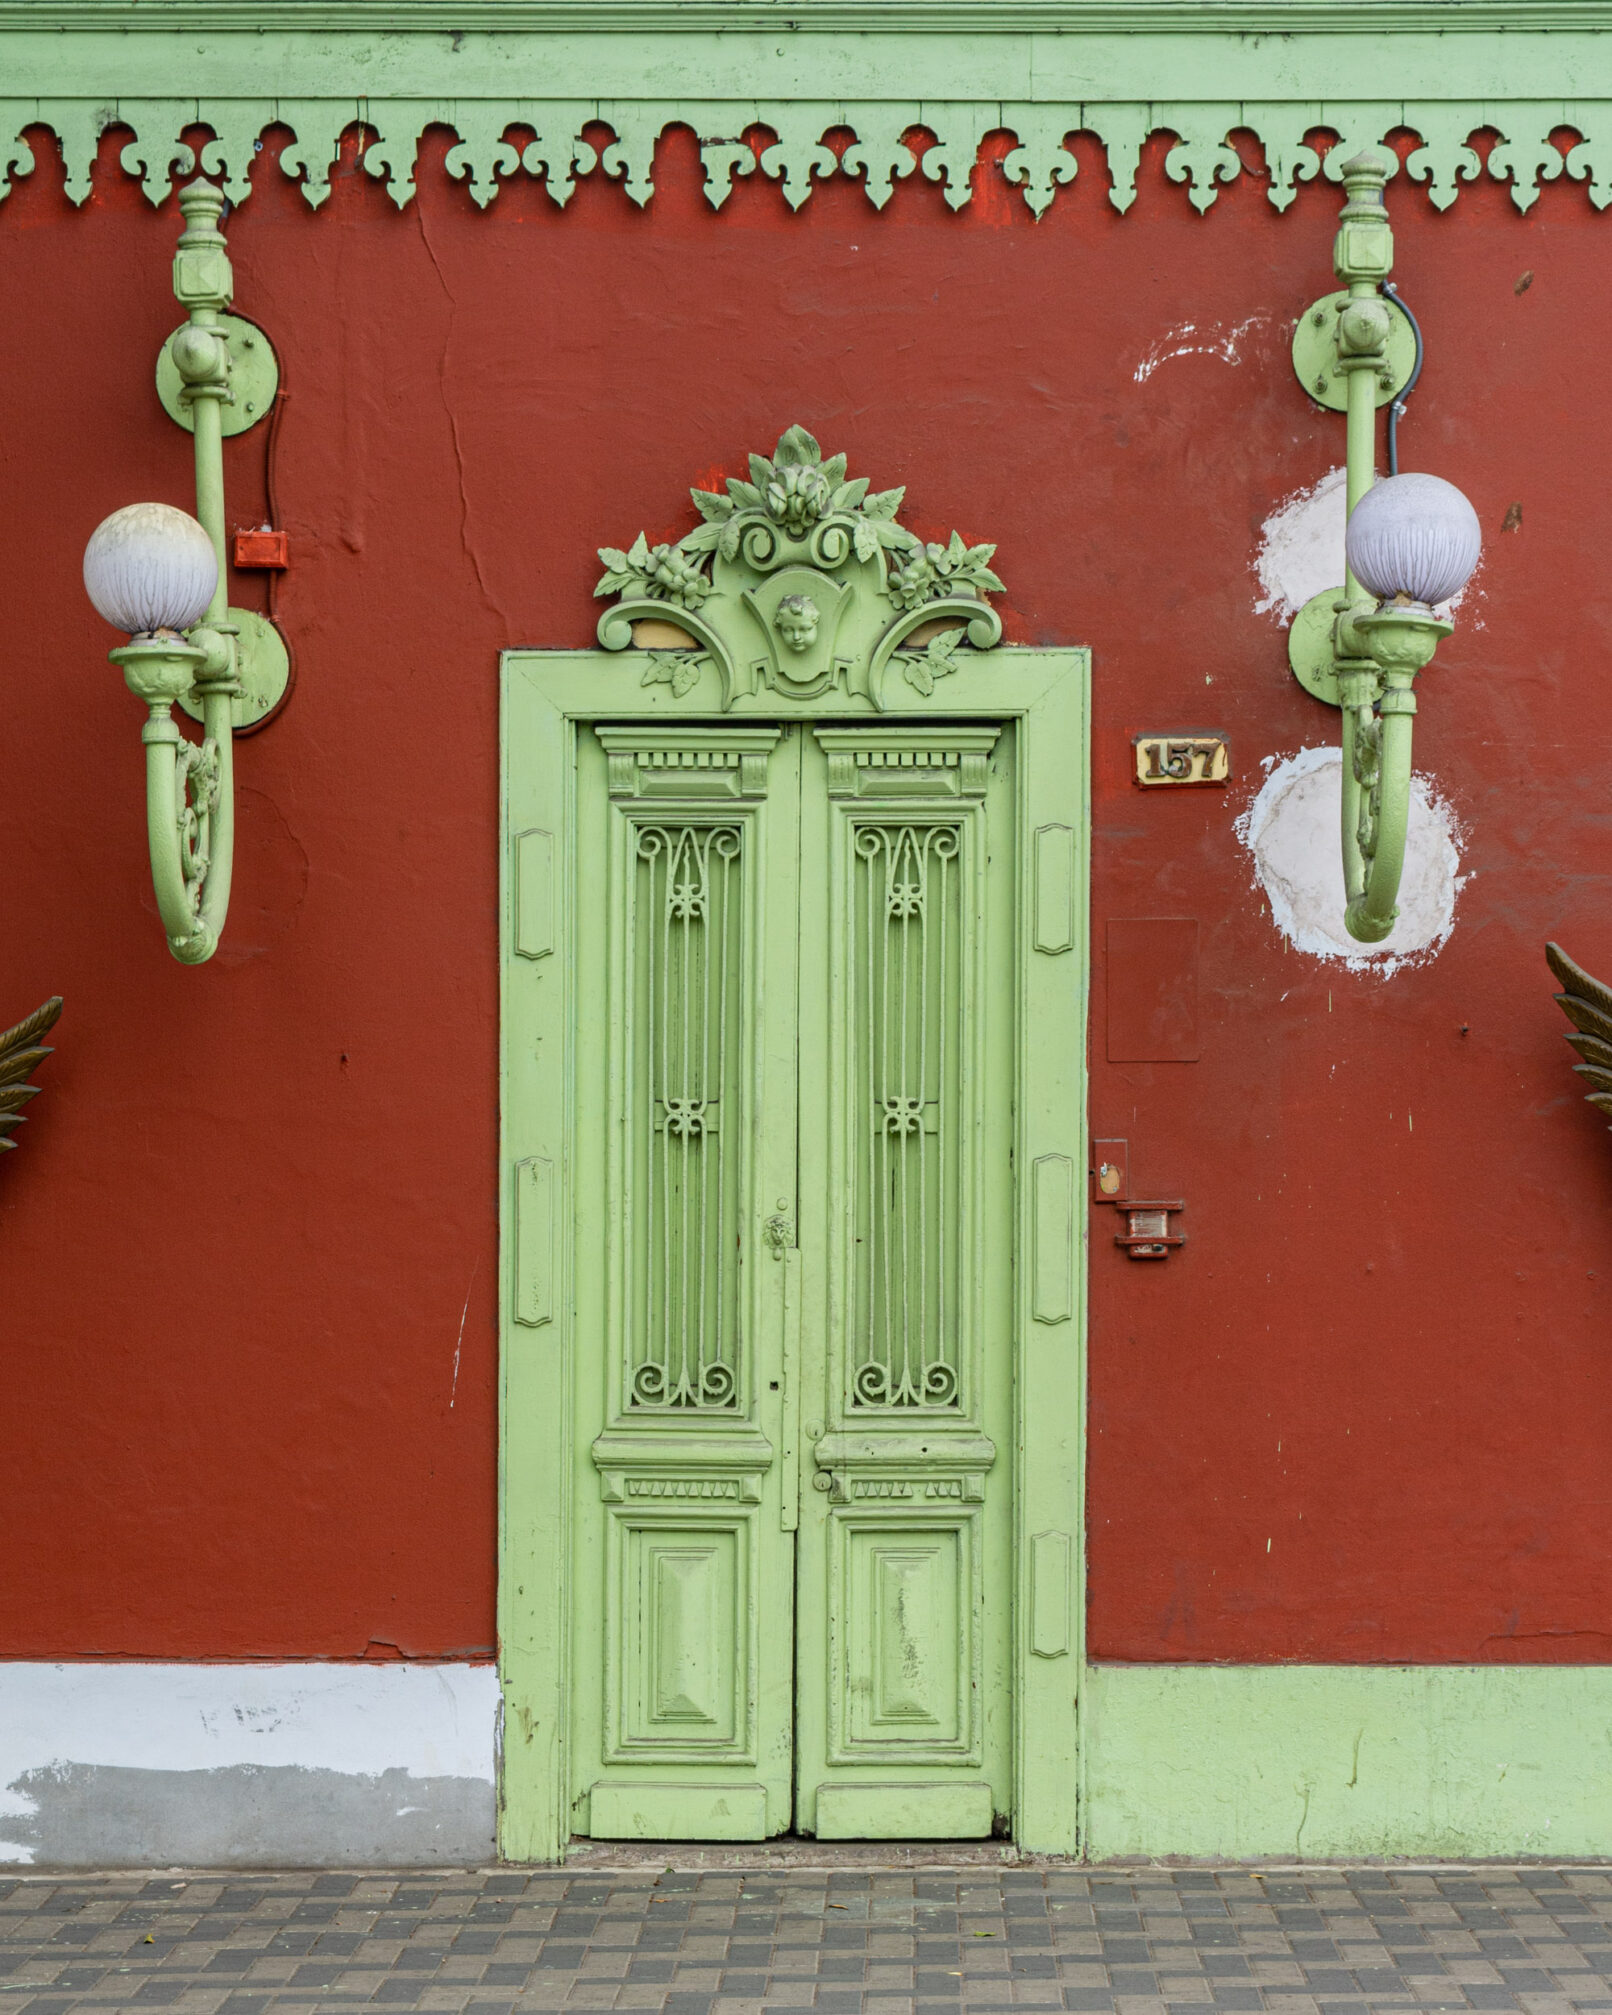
[1040, 164]
[959, 70]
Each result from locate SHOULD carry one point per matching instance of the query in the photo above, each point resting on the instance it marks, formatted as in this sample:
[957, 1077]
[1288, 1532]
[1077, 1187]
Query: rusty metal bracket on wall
[1148, 1235]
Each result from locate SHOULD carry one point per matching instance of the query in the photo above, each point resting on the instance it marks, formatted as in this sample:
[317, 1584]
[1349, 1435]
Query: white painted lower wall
[158, 1765]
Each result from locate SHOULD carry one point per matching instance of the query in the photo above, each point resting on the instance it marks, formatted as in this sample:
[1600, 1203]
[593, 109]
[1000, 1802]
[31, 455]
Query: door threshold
[792, 1854]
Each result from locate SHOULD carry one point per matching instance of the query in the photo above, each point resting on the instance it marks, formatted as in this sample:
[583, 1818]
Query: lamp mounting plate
[254, 376]
[1315, 353]
[265, 671]
[1309, 646]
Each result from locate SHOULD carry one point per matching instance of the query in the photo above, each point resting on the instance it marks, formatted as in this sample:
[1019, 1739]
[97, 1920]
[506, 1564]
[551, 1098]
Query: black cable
[1396, 411]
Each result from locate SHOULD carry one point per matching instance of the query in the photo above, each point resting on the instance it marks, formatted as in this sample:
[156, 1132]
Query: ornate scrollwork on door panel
[911, 857]
[685, 1006]
[798, 581]
[909, 932]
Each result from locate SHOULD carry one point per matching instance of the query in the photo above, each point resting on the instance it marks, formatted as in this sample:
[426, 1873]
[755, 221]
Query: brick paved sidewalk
[855, 1940]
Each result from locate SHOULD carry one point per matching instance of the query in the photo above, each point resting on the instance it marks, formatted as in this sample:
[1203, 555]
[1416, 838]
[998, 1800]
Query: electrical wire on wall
[270, 448]
[1396, 411]
[271, 444]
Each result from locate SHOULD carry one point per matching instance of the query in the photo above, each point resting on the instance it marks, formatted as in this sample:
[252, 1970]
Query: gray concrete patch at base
[307, 1764]
[90, 1815]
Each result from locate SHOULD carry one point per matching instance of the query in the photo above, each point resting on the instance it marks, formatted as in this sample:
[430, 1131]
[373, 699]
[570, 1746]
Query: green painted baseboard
[1311, 1762]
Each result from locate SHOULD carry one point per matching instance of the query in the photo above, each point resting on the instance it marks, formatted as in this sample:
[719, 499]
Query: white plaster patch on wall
[356, 1721]
[1200, 339]
[1292, 831]
[1301, 551]
[1301, 547]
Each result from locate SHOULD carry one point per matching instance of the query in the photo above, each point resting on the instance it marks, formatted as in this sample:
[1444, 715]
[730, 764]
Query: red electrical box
[262, 548]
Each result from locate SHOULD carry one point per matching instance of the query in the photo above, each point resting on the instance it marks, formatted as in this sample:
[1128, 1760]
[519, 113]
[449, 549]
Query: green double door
[790, 1579]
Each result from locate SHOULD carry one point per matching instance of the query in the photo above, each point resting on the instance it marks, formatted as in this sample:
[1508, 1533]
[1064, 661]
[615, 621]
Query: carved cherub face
[797, 621]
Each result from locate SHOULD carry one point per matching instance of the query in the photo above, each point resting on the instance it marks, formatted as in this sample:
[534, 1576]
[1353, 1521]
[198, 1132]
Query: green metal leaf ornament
[797, 449]
[678, 669]
[921, 668]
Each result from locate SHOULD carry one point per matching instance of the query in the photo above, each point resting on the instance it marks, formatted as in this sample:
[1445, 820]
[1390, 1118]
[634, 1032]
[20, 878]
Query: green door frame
[547, 697]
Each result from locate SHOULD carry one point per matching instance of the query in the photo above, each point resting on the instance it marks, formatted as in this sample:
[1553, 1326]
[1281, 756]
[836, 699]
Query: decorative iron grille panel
[687, 1038]
[908, 1027]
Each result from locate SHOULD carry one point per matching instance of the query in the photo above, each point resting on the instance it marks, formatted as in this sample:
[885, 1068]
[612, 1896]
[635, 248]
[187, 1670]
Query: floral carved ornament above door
[796, 581]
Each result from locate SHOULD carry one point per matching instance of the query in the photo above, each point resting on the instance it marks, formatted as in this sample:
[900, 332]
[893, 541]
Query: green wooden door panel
[792, 1363]
[906, 1031]
[690, 1811]
[681, 1578]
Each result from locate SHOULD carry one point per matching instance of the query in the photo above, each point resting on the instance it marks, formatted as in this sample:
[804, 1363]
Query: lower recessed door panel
[904, 1811]
[905, 1678]
[683, 1604]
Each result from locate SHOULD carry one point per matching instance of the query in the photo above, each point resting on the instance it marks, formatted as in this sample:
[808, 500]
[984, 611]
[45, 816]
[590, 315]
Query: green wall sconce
[159, 575]
[1411, 544]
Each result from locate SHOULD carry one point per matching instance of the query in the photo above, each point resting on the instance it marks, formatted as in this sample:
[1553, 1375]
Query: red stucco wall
[247, 1252]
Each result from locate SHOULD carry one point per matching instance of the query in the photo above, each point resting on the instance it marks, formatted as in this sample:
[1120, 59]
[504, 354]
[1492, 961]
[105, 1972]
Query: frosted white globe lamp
[150, 568]
[1413, 539]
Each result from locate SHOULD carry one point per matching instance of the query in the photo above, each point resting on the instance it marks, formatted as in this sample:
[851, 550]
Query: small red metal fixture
[263, 547]
[1149, 1235]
